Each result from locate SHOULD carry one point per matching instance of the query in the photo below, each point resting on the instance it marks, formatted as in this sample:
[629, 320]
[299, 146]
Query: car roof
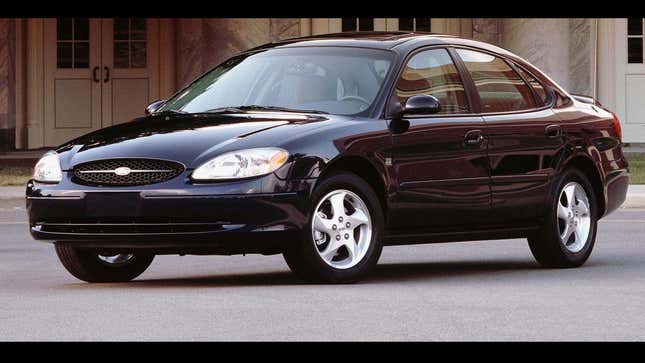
[368, 39]
[378, 40]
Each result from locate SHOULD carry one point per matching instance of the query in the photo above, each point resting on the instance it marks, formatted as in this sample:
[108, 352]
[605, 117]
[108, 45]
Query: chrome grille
[125, 172]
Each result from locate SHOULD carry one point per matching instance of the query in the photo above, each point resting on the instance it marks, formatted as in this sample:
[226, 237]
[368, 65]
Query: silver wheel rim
[574, 217]
[341, 229]
[118, 259]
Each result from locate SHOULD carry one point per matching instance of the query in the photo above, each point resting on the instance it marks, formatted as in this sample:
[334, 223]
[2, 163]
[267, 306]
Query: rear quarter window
[540, 91]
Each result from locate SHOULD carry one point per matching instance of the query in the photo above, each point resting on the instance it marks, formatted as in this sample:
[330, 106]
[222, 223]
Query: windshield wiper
[171, 111]
[276, 108]
[225, 110]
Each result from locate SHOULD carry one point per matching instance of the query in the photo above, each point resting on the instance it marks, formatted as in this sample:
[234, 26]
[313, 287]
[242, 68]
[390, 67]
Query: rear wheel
[342, 240]
[92, 265]
[568, 234]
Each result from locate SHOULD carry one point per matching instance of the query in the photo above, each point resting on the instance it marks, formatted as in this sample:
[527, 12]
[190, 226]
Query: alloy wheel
[341, 229]
[574, 217]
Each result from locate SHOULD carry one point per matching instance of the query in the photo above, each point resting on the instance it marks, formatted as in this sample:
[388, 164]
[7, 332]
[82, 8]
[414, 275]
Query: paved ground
[461, 291]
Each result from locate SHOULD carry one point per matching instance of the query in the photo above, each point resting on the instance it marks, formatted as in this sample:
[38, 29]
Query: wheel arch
[364, 169]
[587, 166]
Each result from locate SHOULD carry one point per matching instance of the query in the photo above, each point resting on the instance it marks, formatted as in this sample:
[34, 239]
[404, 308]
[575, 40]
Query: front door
[98, 72]
[440, 161]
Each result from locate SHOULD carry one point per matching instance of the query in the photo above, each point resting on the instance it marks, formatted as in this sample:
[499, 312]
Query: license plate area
[108, 204]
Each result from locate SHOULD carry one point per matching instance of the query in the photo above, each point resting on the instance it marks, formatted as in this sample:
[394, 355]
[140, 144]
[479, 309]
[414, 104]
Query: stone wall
[7, 84]
[204, 43]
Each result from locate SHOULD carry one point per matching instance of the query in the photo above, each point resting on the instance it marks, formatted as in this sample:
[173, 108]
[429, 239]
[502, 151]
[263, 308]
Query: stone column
[7, 85]
[487, 30]
[543, 42]
[204, 43]
[190, 41]
[582, 62]
[562, 48]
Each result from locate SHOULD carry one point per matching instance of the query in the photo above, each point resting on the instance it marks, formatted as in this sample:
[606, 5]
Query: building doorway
[97, 73]
[630, 77]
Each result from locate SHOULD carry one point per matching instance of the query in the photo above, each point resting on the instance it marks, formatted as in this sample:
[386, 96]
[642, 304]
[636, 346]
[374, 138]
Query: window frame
[393, 98]
[511, 63]
[357, 23]
[414, 24]
[640, 37]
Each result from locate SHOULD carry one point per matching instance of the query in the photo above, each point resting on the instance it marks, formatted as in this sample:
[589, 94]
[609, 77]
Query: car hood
[189, 139]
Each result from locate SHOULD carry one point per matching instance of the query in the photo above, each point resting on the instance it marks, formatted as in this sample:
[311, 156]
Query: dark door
[440, 162]
[524, 136]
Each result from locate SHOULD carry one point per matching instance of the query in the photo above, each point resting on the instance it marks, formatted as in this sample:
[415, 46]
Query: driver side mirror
[154, 106]
[421, 105]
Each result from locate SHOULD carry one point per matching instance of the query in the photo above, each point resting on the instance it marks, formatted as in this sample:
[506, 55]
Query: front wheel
[568, 234]
[92, 265]
[342, 241]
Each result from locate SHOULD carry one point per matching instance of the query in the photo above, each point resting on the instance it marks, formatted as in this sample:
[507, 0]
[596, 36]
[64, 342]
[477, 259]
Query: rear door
[440, 160]
[524, 136]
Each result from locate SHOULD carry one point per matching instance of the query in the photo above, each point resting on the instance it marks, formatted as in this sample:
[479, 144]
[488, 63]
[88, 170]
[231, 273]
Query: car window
[536, 85]
[336, 80]
[500, 88]
[433, 72]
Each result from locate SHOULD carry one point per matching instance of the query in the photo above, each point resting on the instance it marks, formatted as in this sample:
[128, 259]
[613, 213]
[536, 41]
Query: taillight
[619, 131]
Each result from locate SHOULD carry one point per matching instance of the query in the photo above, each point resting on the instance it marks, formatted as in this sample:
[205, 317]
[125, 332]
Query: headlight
[242, 164]
[47, 169]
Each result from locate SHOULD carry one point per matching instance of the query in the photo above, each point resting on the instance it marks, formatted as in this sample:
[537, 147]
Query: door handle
[553, 131]
[95, 75]
[107, 74]
[473, 138]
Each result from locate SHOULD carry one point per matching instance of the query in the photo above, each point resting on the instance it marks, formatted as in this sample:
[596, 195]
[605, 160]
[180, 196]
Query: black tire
[85, 264]
[303, 259]
[546, 245]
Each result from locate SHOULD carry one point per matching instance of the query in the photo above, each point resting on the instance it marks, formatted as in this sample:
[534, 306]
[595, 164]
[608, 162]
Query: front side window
[334, 80]
[432, 72]
[500, 88]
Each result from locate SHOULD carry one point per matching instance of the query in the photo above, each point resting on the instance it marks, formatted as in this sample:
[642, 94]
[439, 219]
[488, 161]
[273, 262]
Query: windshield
[332, 80]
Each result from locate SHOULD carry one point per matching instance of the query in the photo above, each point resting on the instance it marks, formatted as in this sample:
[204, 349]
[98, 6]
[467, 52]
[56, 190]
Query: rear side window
[500, 88]
[432, 72]
[536, 85]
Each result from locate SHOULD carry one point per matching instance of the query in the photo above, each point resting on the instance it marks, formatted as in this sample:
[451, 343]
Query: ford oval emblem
[122, 171]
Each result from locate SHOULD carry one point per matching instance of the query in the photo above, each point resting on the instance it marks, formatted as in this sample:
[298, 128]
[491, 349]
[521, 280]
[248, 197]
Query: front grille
[138, 172]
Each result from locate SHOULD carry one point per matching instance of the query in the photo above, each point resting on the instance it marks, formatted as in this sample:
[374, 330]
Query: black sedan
[326, 149]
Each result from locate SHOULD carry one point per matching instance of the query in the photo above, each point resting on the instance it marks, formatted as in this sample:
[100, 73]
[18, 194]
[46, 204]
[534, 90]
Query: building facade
[60, 78]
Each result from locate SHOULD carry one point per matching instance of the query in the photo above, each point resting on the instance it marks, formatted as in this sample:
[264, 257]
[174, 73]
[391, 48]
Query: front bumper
[235, 217]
